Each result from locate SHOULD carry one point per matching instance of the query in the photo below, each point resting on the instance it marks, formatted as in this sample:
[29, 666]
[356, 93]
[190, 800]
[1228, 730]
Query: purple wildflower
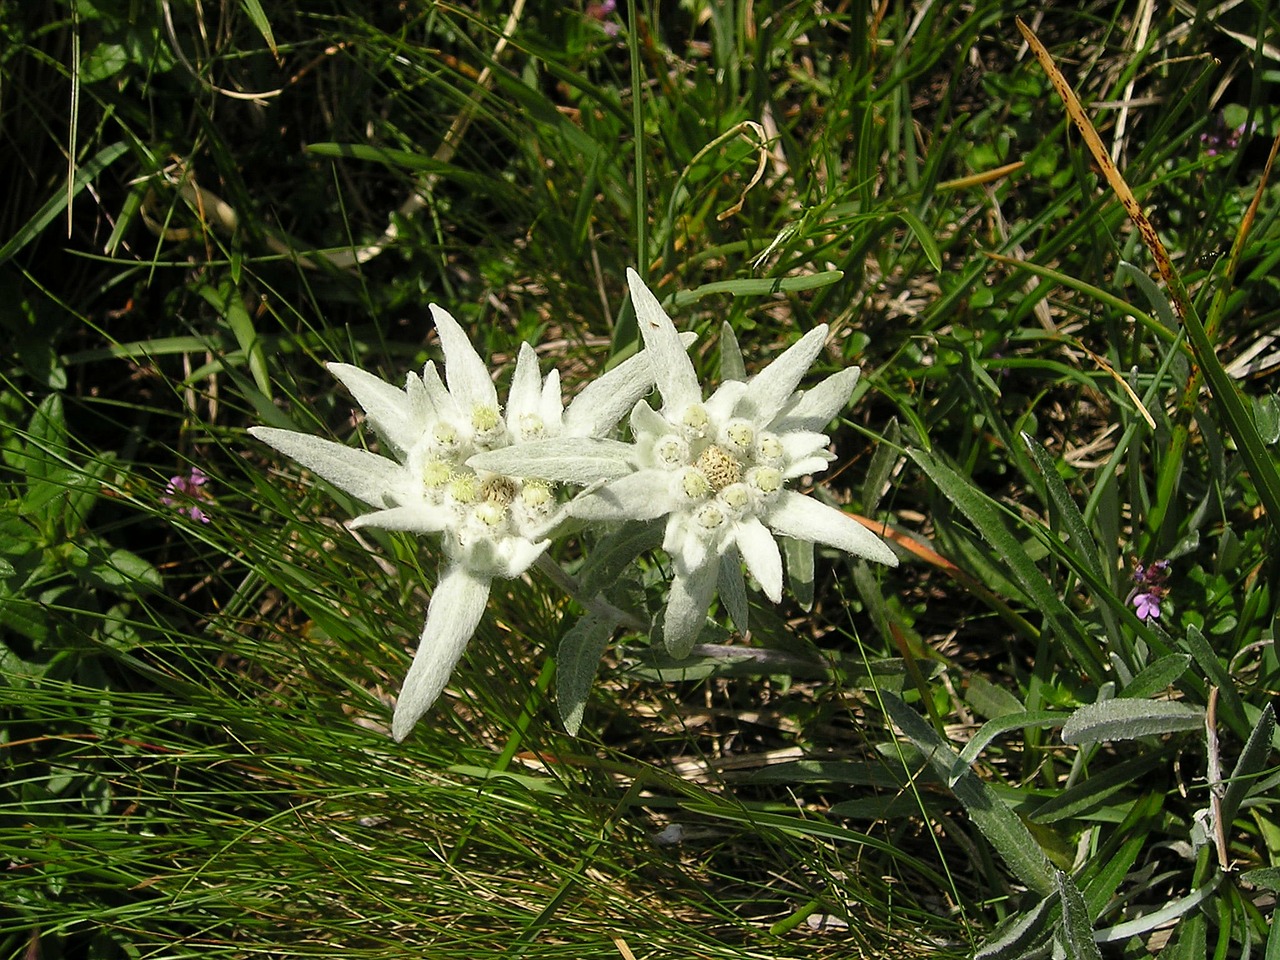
[1149, 589]
[601, 12]
[1147, 606]
[1223, 140]
[185, 492]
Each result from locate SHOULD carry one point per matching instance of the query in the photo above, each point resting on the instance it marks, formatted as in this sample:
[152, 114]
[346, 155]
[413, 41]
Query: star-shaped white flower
[717, 469]
[491, 524]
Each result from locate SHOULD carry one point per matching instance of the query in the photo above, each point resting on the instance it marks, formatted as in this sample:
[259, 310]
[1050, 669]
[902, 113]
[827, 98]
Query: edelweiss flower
[716, 469]
[492, 525]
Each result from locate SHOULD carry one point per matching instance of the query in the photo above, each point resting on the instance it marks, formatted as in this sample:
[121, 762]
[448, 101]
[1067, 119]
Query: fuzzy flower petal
[374, 479]
[804, 518]
[672, 370]
[453, 614]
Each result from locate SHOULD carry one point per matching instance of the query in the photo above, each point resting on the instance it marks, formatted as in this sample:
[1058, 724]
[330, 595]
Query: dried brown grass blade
[1103, 159]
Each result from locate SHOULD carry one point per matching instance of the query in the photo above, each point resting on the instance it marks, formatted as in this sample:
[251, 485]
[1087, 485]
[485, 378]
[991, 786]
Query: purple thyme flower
[185, 491]
[602, 12]
[1147, 606]
[1149, 589]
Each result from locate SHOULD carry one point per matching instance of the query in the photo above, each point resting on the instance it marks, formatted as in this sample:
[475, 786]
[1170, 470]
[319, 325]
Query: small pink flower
[185, 491]
[603, 12]
[1147, 606]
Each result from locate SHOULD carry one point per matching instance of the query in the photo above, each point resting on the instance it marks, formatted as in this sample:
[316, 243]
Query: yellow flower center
[720, 467]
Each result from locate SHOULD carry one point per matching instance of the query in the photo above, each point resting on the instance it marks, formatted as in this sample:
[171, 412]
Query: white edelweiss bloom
[716, 468]
[491, 524]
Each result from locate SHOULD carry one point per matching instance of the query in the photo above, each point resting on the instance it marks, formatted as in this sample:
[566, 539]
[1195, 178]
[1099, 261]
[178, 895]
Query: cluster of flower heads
[486, 479]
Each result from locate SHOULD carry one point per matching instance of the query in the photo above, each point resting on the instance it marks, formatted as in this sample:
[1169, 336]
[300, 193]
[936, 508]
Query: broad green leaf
[1207, 660]
[800, 569]
[116, 570]
[1126, 719]
[1266, 414]
[46, 443]
[1080, 540]
[1156, 676]
[614, 553]
[1000, 825]
[1265, 878]
[1077, 925]
[577, 660]
[862, 773]
[1162, 917]
[927, 243]
[883, 460]
[1022, 935]
[1155, 296]
[990, 700]
[228, 302]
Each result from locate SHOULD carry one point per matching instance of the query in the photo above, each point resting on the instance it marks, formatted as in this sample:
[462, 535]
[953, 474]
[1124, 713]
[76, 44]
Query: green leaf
[994, 728]
[228, 302]
[731, 364]
[990, 700]
[1127, 719]
[253, 8]
[1077, 925]
[983, 513]
[883, 460]
[1253, 758]
[1021, 935]
[1000, 825]
[577, 660]
[1156, 676]
[925, 238]
[1266, 415]
[103, 62]
[1092, 792]
[1086, 549]
[84, 175]
[615, 552]
[116, 570]
[1207, 660]
[800, 569]
[1155, 296]
[756, 288]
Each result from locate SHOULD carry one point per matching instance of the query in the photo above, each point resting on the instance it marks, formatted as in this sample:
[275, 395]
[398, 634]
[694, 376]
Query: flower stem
[596, 604]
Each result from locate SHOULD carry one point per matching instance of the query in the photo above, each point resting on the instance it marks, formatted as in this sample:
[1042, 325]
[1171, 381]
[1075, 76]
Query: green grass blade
[59, 201]
[983, 513]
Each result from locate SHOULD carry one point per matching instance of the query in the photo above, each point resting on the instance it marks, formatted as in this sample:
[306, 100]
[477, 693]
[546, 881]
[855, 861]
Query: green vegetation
[1052, 722]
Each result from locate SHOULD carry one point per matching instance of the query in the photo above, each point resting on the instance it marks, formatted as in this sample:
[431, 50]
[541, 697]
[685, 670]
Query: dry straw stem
[1108, 167]
[1257, 457]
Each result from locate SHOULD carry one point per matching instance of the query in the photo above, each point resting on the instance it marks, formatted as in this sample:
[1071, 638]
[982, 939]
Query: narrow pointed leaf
[1077, 925]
